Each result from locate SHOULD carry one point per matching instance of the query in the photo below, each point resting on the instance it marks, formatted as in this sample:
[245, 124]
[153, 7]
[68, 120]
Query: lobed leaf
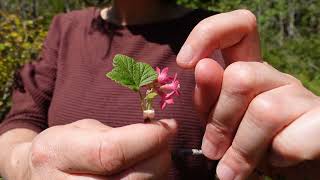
[130, 73]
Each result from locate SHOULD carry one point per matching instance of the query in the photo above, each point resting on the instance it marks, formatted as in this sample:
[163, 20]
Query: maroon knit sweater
[68, 82]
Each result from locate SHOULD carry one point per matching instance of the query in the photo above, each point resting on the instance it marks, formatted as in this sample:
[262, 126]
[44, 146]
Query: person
[253, 111]
[250, 109]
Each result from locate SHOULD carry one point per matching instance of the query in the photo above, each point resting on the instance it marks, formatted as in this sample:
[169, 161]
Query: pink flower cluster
[167, 87]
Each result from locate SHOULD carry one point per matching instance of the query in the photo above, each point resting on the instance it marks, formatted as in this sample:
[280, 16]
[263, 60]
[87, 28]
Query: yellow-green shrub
[20, 41]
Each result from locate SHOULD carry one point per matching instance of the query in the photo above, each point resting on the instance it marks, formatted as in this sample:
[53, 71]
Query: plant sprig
[136, 75]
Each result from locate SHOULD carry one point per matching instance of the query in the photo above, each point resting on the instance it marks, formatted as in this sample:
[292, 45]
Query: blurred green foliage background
[289, 34]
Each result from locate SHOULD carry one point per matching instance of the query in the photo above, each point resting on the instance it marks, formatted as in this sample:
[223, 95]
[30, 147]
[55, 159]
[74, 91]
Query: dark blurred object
[96, 2]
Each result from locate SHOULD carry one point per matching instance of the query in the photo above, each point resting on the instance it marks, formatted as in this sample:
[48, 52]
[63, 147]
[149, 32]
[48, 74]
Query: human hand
[249, 106]
[87, 149]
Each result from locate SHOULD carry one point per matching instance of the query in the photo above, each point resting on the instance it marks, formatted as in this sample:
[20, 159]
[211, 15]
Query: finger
[90, 124]
[242, 81]
[76, 150]
[149, 139]
[299, 141]
[85, 177]
[208, 76]
[235, 33]
[267, 115]
[156, 167]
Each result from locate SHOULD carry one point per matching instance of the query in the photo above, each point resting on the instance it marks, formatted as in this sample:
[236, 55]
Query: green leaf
[151, 96]
[130, 73]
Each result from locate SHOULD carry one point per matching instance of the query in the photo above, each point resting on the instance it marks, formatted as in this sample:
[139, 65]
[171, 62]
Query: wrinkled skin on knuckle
[240, 155]
[215, 127]
[39, 155]
[241, 162]
[239, 78]
[42, 148]
[111, 156]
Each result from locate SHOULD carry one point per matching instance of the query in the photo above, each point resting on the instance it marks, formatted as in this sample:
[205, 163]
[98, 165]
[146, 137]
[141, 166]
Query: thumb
[208, 76]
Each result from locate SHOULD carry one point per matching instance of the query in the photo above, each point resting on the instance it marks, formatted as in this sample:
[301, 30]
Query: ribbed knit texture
[68, 82]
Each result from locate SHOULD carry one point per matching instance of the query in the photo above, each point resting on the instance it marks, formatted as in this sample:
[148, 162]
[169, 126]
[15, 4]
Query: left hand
[87, 149]
[249, 106]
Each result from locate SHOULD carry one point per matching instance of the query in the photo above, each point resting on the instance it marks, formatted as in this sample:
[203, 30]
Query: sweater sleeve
[31, 101]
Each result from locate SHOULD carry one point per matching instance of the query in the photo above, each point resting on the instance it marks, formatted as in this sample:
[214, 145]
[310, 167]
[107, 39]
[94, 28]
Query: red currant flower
[166, 87]
[173, 86]
[166, 99]
[163, 76]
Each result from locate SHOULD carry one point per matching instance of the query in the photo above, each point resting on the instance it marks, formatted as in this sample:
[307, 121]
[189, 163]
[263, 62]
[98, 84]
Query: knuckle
[241, 156]
[250, 17]
[87, 121]
[216, 127]
[285, 147]
[297, 90]
[88, 124]
[38, 154]
[261, 103]
[204, 27]
[111, 156]
[293, 80]
[265, 111]
[239, 78]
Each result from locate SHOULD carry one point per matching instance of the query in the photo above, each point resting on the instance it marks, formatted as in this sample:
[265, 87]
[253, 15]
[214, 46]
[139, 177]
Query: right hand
[87, 149]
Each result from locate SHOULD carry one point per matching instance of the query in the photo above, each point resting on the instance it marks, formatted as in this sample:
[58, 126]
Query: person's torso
[82, 89]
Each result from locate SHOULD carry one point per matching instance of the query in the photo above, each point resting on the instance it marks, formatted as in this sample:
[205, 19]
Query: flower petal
[158, 70]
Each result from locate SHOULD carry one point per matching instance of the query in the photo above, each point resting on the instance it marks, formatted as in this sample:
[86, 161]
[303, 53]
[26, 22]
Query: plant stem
[141, 101]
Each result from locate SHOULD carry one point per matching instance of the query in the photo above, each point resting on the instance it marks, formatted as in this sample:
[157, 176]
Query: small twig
[141, 101]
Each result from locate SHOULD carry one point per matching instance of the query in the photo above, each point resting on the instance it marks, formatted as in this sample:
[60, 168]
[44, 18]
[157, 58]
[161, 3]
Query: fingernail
[185, 55]
[209, 149]
[172, 123]
[224, 172]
